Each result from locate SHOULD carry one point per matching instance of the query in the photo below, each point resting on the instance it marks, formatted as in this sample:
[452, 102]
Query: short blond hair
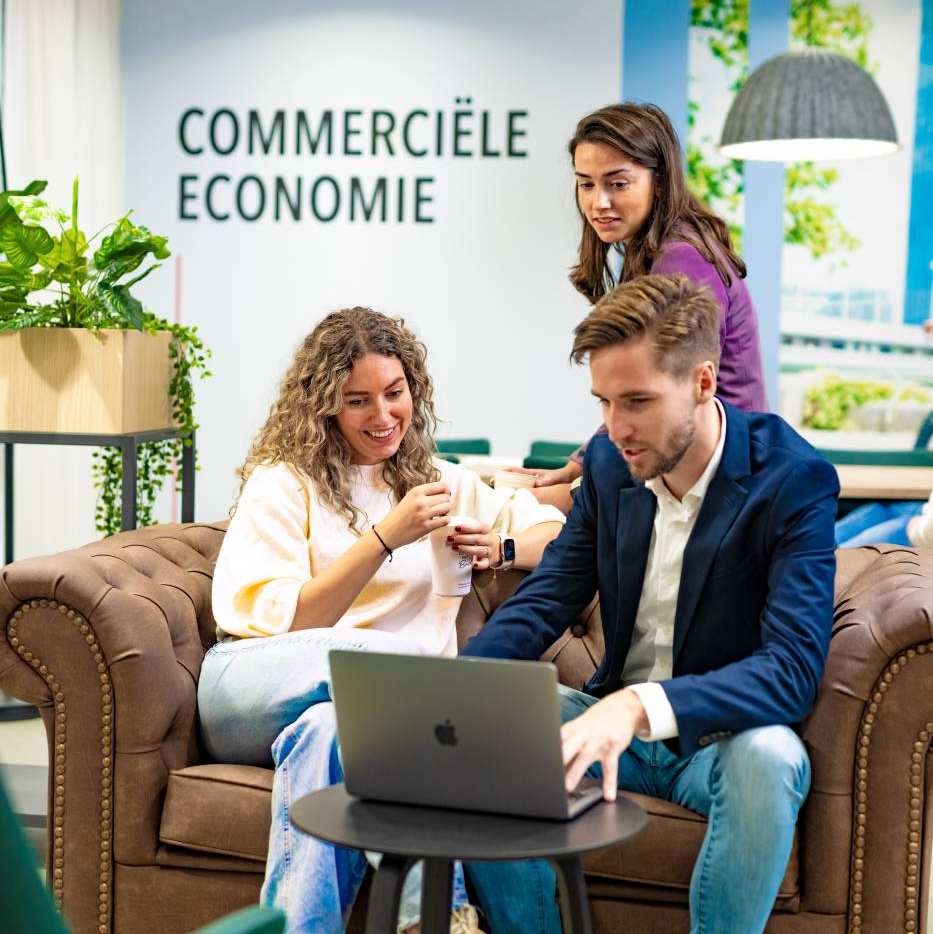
[680, 318]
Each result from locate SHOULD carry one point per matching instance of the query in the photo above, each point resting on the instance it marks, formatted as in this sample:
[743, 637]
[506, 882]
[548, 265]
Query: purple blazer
[741, 380]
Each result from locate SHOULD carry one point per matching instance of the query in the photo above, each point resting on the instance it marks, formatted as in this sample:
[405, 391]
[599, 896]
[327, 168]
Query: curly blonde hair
[301, 429]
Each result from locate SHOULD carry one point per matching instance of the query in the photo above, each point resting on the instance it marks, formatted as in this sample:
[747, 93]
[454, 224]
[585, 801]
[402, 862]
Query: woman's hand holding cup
[452, 563]
[478, 542]
[422, 509]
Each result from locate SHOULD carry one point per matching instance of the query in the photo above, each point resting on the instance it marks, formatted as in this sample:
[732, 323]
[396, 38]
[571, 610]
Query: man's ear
[705, 380]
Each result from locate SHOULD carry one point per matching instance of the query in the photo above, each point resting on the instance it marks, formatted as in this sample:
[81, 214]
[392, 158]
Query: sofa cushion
[663, 855]
[223, 809]
[226, 810]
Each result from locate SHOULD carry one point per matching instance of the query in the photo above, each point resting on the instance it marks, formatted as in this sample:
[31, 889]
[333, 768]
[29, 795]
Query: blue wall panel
[763, 242]
[655, 59]
[917, 299]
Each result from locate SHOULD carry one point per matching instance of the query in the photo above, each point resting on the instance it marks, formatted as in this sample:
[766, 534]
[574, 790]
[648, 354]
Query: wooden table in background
[859, 481]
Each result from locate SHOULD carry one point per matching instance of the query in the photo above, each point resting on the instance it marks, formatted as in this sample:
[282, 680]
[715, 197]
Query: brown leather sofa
[147, 836]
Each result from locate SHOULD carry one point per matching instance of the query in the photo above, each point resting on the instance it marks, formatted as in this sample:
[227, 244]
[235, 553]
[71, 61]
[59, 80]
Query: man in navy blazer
[708, 533]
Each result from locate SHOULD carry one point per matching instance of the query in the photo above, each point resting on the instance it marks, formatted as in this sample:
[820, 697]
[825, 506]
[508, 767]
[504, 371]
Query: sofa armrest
[868, 739]
[107, 641]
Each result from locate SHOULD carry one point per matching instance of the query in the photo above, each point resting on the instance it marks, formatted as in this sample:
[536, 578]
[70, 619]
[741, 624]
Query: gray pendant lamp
[808, 105]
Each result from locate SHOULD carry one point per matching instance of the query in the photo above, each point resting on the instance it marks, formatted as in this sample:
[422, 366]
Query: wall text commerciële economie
[461, 132]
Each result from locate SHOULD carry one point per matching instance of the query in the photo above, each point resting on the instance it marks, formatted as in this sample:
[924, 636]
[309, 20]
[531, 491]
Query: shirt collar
[696, 493]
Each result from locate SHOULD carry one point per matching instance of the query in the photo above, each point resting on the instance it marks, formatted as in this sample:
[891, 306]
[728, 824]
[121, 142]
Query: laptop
[465, 733]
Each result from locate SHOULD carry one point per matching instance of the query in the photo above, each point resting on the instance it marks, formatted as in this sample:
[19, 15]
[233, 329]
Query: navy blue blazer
[754, 610]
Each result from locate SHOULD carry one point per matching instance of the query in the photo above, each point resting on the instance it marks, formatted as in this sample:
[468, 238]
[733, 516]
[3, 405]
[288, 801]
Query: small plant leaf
[33, 210]
[24, 244]
[118, 299]
[7, 213]
[12, 277]
[67, 256]
[20, 318]
[125, 249]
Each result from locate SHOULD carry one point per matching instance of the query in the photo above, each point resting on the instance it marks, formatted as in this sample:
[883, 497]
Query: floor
[22, 742]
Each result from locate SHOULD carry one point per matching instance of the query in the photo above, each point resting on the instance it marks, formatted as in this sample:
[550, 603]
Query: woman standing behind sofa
[635, 208]
[328, 549]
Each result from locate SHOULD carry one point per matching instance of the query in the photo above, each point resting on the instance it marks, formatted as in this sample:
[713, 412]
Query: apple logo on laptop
[446, 733]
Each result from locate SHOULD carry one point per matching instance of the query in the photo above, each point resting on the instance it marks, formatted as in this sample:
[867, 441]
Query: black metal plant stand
[11, 709]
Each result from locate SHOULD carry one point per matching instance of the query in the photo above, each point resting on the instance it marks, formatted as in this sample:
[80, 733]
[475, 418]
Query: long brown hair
[644, 134]
[301, 429]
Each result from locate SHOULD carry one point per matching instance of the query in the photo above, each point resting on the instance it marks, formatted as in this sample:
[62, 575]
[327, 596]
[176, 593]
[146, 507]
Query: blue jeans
[267, 702]
[876, 523]
[750, 787]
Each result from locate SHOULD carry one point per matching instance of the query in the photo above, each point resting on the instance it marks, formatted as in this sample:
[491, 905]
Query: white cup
[510, 480]
[451, 571]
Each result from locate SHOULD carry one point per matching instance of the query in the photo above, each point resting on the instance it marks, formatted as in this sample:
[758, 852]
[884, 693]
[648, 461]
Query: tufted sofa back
[108, 639]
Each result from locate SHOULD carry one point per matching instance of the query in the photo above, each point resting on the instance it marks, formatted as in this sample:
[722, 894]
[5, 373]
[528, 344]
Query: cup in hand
[451, 571]
[511, 480]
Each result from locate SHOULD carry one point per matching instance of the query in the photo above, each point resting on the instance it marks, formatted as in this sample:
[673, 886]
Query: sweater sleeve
[922, 536]
[265, 556]
[507, 512]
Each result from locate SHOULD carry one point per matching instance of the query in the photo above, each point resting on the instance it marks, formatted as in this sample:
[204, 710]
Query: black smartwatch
[508, 554]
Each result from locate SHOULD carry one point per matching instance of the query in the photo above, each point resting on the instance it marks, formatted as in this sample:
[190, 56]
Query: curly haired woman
[327, 549]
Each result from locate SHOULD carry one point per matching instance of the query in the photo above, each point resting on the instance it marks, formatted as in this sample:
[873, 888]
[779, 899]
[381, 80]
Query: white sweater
[281, 535]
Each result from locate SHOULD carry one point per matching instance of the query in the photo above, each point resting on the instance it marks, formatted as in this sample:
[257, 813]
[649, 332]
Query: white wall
[484, 285]
[62, 117]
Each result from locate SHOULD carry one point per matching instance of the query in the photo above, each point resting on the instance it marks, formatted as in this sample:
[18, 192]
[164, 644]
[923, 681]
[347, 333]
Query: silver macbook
[466, 733]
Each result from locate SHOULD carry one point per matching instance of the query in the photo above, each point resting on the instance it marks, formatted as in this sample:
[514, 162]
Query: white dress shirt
[651, 655]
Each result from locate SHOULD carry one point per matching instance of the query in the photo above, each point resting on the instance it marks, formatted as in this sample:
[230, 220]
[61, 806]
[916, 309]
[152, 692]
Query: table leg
[385, 894]
[128, 499]
[436, 890]
[574, 907]
[188, 462]
[7, 503]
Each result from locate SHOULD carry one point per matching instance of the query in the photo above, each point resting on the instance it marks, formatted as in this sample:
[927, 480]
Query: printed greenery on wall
[810, 218]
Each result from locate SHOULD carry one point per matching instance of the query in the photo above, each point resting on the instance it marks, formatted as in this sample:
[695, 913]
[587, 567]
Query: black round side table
[406, 833]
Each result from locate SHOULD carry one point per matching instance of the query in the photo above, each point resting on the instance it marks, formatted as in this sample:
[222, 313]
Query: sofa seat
[217, 816]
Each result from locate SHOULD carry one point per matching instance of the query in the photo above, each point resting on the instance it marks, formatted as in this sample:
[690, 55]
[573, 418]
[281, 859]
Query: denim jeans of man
[267, 701]
[750, 787]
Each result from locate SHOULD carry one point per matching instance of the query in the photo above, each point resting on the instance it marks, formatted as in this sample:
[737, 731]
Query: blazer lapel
[723, 502]
[637, 506]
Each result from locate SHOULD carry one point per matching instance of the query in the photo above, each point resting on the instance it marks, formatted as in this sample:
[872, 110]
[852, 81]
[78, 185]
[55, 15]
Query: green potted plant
[79, 353]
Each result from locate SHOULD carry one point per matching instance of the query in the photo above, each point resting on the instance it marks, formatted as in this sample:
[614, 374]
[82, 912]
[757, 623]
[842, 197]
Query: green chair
[549, 455]
[912, 458]
[463, 446]
[28, 908]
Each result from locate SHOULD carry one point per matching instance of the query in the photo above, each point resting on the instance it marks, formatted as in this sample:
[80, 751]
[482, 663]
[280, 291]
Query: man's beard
[678, 443]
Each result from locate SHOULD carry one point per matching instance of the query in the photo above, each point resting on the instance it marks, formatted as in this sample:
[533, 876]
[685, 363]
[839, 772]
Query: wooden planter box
[71, 380]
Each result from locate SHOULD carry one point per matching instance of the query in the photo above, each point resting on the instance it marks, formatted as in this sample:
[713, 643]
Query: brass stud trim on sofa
[57, 816]
[915, 795]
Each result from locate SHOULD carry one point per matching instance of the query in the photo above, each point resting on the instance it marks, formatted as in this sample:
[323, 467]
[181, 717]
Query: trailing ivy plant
[50, 278]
